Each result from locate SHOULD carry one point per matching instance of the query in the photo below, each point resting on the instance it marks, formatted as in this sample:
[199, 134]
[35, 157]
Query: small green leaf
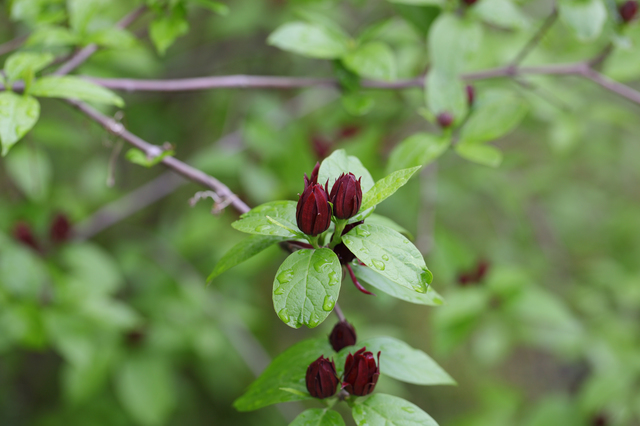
[357, 104]
[386, 410]
[318, 417]
[82, 12]
[306, 287]
[242, 251]
[386, 186]
[445, 92]
[339, 162]
[69, 87]
[50, 36]
[18, 114]
[419, 149]
[25, 64]
[165, 29]
[420, 2]
[112, 37]
[402, 362]
[482, 154]
[374, 279]
[214, 6]
[585, 17]
[136, 156]
[372, 60]
[287, 370]
[310, 39]
[255, 221]
[451, 40]
[502, 13]
[389, 254]
[496, 113]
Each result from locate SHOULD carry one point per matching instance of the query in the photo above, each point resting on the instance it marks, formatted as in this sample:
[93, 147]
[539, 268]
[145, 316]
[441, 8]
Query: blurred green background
[116, 327]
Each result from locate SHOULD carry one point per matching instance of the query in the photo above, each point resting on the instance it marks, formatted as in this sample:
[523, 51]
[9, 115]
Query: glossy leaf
[376, 219]
[244, 250]
[306, 287]
[372, 60]
[339, 162]
[256, 221]
[585, 17]
[389, 254]
[368, 276]
[318, 417]
[18, 114]
[419, 149]
[310, 39]
[386, 186]
[286, 371]
[386, 410]
[69, 87]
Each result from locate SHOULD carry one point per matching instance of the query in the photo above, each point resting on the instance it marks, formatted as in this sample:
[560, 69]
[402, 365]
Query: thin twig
[537, 37]
[338, 312]
[611, 85]
[12, 45]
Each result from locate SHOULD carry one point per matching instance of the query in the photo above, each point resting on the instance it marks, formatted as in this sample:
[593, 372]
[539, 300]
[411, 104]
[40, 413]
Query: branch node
[219, 203]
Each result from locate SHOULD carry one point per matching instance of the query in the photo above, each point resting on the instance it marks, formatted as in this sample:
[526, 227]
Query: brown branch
[12, 45]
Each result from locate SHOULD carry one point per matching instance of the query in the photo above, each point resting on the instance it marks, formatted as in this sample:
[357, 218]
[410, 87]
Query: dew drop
[426, 277]
[285, 276]
[362, 232]
[420, 288]
[278, 291]
[385, 257]
[284, 315]
[313, 321]
[333, 280]
[319, 265]
[405, 241]
[263, 228]
[328, 303]
[347, 240]
[408, 409]
[378, 264]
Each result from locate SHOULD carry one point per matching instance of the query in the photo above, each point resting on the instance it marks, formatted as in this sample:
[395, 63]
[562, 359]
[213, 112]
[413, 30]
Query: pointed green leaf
[68, 87]
[419, 149]
[18, 114]
[310, 39]
[372, 60]
[339, 162]
[164, 30]
[286, 371]
[386, 186]
[318, 417]
[255, 221]
[26, 64]
[389, 254]
[242, 251]
[451, 40]
[306, 287]
[386, 410]
[376, 219]
[482, 154]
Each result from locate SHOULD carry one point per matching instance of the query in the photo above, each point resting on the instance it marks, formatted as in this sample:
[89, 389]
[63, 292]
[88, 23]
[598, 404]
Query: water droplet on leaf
[284, 315]
[278, 291]
[333, 280]
[378, 264]
[408, 409]
[329, 303]
[362, 232]
[385, 257]
[319, 265]
[263, 228]
[285, 276]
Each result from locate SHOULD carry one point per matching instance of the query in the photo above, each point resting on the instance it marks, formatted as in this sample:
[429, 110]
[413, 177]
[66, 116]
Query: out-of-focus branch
[12, 45]
[537, 37]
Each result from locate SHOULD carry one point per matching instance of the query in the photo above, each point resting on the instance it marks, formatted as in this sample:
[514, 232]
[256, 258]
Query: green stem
[337, 234]
[314, 241]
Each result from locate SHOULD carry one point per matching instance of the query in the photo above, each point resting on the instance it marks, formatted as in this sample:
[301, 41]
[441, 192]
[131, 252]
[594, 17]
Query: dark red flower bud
[322, 379]
[628, 10]
[349, 131]
[361, 373]
[60, 230]
[342, 335]
[314, 177]
[445, 119]
[471, 95]
[469, 2]
[313, 212]
[344, 254]
[475, 276]
[599, 420]
[321, 147]
[346, 196]
[22, 232]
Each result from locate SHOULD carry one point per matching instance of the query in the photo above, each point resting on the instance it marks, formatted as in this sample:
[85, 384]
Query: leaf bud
[361, 373]
[342, 335]
[346, 196]
[445, 119]
[628, 10]
[321, 378]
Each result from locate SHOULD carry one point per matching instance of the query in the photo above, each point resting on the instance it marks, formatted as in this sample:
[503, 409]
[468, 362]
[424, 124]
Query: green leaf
[50, 36]
[287, 370]
[445, 92]
[585, 17]
[318, 417]
[357, 104]
[255, 221]
[242, 251]
[81, 12]
[502, 13]
[88, 263]
[451, 40]
[374, 279]
[482, 154]
[421, 17]
[386, 186]
[373, 60]
[339, 162]
[419, 149]
[420, 2]
[30, 170]
[164, 30]
[23, 65]
[214, 6]
[402, 362]
[377, 219]
[306, 287]
[145, 389]
[389, 254]
[112, 37]
[136, 156]
[18, 114]
[310, 39]
[386, 410]
[496, 113]
[69, 87]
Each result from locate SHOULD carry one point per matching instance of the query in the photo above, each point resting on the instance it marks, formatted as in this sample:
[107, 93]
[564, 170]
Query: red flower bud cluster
[346, 196]
[313, 213]
[59, 232]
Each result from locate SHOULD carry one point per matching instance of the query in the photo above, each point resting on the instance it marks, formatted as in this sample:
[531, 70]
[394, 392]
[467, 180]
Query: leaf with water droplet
[380, 266]
[284, 276]
[381, 409]
[318, 417]
[329, 303]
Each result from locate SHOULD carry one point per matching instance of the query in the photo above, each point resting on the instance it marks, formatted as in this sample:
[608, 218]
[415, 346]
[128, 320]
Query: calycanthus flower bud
[313, 213]
[346, 196]
[361, 373]
[342, 335]
[321, 378]
[628, 10]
